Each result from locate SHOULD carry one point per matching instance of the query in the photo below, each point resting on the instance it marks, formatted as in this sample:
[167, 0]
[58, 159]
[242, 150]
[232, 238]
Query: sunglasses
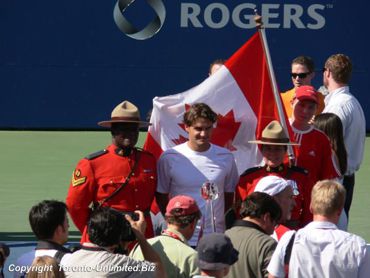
[300, 75]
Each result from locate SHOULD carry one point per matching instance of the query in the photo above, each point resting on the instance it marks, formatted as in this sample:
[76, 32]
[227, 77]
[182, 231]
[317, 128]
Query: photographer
[99, 258]
[179, 259]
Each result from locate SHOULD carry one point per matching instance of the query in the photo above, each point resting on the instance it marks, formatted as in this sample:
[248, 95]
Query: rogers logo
[274, 16]
[218, 15]
[129, 29]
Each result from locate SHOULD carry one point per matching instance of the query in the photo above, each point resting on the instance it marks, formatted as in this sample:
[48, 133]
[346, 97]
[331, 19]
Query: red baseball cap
[181, 205]
[307, 92]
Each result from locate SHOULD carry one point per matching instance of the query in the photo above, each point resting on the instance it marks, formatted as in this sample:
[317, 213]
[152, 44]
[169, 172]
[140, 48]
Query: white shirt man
[182, 171]
[185, 168]
[336, 76]
[320, 249]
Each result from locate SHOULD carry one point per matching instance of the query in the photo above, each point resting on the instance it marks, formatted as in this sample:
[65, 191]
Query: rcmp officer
[273, 145]
[121, 176]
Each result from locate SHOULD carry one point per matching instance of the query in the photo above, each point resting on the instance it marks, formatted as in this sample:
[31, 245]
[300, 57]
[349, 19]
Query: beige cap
[125, 112]
[273, 134]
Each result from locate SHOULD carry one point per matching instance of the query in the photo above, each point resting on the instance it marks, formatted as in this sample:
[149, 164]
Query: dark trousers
[349, 184]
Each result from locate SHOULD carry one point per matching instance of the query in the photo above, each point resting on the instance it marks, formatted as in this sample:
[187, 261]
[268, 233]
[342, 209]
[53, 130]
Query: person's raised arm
[149, 254]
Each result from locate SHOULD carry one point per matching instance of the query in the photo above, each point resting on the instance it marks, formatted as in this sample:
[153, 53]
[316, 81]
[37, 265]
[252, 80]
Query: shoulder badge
[299, 170]
[96, 154]
[251, 170]
[76, 178]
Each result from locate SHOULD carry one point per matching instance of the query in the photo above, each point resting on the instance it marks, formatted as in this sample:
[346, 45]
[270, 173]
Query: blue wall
[66, 64]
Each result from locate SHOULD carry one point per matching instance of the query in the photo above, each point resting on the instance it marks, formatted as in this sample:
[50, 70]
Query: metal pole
[213, 217]
[275, 89]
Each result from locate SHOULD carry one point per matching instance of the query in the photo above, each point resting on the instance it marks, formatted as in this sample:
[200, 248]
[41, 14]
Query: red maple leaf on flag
[226, 130]
[180, 140]
[223, 135]
[182, 125]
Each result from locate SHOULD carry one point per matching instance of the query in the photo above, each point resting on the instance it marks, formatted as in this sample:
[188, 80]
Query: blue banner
[67, 64]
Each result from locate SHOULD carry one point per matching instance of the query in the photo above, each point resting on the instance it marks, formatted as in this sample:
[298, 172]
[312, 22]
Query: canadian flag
[240, 92]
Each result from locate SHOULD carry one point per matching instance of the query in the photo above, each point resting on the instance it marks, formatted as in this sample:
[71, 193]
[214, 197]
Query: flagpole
[261, 30]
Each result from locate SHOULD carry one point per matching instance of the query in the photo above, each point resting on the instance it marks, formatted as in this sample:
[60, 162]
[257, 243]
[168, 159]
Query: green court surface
[38, 165]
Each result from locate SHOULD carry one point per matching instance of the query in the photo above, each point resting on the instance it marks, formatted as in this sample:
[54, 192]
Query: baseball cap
[307, 92]
[215, 251]
[273, 185]
[181, 205]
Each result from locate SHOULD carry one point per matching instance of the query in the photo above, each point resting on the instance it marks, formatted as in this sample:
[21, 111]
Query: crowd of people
[283, 217]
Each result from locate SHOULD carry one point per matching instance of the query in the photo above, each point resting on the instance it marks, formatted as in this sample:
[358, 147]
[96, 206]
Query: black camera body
[127, 234]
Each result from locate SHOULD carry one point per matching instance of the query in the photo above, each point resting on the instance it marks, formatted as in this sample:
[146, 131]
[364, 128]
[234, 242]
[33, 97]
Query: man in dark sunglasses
[302, 73]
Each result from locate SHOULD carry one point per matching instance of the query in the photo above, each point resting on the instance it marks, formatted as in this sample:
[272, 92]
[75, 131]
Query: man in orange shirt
[121, 176]
[302, 73]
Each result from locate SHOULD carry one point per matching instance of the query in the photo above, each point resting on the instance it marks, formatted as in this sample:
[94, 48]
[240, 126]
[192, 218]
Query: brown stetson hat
[125, 112]
[273, 134]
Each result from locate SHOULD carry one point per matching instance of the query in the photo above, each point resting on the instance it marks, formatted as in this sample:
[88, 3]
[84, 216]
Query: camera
[127, 234]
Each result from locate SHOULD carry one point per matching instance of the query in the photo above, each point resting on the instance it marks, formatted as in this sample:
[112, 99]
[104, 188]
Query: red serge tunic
[98, 175]
[250, 178]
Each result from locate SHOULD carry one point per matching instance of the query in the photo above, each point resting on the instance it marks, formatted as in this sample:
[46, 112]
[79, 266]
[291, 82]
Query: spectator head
[262, 209]
[327, 198]
[49, 221]
[282, 190]
[339, 66]
[182, 213]
[45, 267]
[216, 254]
[306, 93]
[273, 143]
[302, 71]
[305, 103]
[105, 227]
[215, 66]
